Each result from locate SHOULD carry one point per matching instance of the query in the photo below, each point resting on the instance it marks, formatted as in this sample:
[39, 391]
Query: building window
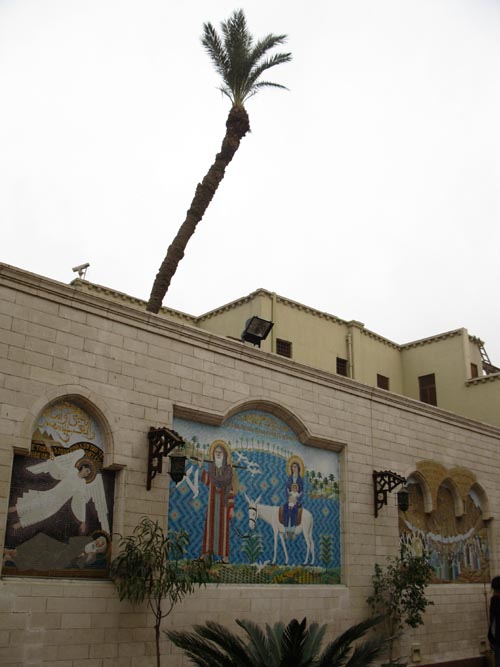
[284, 348]
[382, 382]
[427, 387]
[341, 366]
[474, 371]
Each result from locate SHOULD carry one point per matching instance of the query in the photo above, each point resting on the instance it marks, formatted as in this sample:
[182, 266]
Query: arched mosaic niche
[265, 506]
[60, 515]
[451, 531]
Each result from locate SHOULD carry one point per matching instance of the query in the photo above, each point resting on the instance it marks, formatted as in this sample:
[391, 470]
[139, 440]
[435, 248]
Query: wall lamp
[162, 441]
[256, 330]
[384, 482]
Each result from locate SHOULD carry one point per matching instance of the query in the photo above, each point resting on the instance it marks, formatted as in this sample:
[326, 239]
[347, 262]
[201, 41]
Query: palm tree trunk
[237, 125]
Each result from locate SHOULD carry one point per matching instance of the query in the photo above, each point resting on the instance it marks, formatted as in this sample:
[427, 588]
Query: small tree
[152, 566]
[399, 594]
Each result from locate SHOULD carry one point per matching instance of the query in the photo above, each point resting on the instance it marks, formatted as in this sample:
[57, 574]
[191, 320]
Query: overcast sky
[369, 190]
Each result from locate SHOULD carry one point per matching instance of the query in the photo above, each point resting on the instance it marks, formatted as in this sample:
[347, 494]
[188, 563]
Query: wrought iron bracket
[384, 481]
[162, 441]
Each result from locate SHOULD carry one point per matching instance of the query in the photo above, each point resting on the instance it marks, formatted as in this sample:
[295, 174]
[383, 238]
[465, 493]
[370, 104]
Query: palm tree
[296, 645]
[240, 62]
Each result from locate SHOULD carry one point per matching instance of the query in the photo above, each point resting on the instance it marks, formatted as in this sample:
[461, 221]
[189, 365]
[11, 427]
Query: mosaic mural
[61, 501]
[264, 506]
[456, 546]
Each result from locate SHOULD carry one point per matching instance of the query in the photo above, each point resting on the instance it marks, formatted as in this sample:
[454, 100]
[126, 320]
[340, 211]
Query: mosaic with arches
[60, 515]
[264, 506]
[452, 532]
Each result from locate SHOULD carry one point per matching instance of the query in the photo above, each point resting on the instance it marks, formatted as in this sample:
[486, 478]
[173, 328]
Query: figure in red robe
[220, 507]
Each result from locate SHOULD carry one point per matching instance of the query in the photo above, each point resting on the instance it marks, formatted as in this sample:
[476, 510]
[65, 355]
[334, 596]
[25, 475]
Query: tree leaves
[239, 62]
[293, 645]
[399, 592]
[152, 566]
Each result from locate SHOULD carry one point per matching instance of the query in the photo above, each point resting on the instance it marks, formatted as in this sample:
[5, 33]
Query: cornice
[308, 309]
[126, 298]
[484, 379]
[476, 340]
[380, 339]
[432, 339]
[279, 299]
[233, 304]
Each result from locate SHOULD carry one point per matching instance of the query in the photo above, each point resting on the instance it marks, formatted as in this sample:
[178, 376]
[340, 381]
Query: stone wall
[135, 370]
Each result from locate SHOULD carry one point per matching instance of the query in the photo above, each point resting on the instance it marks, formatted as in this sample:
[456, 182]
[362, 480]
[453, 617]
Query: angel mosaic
[60, 515]
[78, 482]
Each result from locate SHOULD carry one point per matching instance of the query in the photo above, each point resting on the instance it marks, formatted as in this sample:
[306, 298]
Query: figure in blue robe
[294, 495]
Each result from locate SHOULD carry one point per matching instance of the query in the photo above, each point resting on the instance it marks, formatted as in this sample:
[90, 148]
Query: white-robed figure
[77, 481]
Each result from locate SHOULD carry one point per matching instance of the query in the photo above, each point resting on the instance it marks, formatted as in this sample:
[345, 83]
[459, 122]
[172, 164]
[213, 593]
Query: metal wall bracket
[161, 442]
[384, 482]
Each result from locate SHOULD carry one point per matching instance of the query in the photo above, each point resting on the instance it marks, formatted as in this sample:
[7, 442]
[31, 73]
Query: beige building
[97, 356]
[451, 370]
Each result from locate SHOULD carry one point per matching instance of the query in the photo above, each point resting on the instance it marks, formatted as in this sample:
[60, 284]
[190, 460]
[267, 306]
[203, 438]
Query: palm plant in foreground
[240, 62]
[293, 645]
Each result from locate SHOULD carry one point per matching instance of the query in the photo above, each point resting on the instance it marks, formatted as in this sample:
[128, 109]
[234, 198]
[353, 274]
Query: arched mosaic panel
[262, 504]
[456, 546]
[61, 501]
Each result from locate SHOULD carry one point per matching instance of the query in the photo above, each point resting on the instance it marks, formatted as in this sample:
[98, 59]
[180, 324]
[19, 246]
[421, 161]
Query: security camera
[81, 269]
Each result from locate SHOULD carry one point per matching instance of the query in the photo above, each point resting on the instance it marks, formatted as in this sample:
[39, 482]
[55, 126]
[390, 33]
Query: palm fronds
[239, 62]
[293, 645]
[340, 654]
[212, 645]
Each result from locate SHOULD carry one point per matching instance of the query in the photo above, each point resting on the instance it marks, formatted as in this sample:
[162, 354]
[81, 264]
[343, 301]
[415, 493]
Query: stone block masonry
[138, 370]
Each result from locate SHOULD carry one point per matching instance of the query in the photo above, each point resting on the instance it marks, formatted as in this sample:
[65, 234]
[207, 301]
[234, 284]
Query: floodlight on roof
[256, 330]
